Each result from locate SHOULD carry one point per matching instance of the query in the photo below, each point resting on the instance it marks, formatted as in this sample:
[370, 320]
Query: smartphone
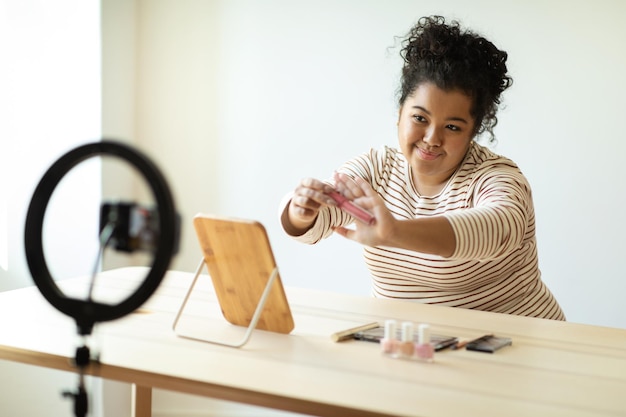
[438, 341]
[488, 343]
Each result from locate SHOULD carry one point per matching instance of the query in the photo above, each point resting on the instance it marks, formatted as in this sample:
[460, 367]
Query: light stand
[87, 312]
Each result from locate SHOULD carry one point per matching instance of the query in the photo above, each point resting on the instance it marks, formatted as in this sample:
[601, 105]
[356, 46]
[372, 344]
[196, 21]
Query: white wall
[314, 85]
[50, 103]
[240, 99]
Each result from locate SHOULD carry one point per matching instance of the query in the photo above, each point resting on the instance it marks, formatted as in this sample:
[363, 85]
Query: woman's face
[435, 129]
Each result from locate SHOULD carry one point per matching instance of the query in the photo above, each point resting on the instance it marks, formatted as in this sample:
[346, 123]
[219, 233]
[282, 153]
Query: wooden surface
[552, 368]
[142, 401]
[240, 262]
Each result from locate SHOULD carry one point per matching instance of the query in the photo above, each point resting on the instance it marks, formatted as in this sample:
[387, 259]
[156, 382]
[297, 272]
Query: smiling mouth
[426, 155]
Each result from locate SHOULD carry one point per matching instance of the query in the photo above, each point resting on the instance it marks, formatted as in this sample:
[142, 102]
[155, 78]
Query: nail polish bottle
[407, 344]
[389, 344]
[424, 351]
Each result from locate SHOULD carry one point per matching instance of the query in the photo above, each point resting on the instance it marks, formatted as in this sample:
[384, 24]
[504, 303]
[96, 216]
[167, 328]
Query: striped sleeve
[498, 222]
[327, 219]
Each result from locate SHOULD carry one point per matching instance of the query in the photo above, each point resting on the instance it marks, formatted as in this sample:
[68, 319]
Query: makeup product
[424, 350]
[389, 344]
[351, 208]
[460, 344]
[349, 333]
[439, 341]
[489, 343]
[407, 345]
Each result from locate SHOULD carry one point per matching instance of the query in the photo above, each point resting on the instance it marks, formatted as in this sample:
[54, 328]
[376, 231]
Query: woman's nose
[432, 137]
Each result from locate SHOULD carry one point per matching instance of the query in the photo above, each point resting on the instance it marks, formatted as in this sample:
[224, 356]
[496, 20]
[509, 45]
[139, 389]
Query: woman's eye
[453, 128]
[419, 118]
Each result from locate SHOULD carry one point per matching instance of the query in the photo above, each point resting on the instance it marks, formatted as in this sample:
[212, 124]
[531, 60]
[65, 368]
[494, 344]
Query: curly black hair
[451, 58]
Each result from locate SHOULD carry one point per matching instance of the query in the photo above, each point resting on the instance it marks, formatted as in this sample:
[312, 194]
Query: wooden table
[552, 368]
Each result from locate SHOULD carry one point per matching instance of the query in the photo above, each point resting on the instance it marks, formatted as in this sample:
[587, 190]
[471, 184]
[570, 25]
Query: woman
[454, 222]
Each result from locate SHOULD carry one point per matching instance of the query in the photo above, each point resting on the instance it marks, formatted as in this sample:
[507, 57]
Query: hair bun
[452, 58]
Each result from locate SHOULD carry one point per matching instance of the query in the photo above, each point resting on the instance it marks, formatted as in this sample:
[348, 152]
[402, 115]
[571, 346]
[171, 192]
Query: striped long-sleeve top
[488, 202]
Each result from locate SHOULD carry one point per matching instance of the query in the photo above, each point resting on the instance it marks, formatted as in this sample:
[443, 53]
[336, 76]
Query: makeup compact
[488, 343]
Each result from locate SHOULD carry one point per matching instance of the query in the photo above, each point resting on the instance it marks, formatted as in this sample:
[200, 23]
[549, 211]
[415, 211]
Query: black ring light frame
[87, 313]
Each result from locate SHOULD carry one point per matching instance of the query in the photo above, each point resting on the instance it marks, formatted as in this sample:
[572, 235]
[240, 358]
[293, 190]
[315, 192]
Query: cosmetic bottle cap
[390, 329]
[407, 331]
[424, 333]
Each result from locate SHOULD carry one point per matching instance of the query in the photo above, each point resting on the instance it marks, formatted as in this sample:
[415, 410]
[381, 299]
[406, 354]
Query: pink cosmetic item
[390, 344]
[460, 344]
[351, 208]
[407, 345]
[424, 350]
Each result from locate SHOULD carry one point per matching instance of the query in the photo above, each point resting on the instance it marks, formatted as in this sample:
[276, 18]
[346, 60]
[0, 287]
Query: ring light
[88, 312]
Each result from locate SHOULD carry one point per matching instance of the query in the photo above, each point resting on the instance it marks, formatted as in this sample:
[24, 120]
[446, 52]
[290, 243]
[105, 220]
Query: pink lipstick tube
[351, 208]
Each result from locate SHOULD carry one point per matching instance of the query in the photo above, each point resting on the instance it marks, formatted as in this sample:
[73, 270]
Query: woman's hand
[309, 196]
[362, 194]
[426, 234]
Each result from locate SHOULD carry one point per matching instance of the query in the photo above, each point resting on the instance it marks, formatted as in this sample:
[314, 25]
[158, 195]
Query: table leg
[142, 401]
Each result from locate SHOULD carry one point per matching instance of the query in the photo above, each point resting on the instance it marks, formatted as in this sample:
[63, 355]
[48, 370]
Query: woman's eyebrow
[421, 108]
[455, 119]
